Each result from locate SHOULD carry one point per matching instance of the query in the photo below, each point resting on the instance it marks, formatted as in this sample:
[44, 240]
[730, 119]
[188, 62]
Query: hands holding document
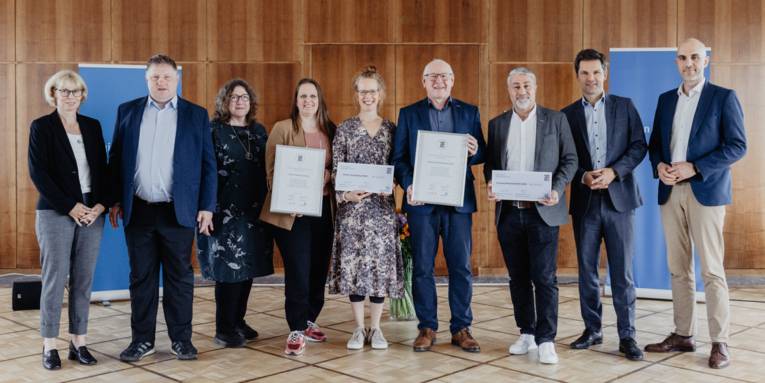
[522, 186]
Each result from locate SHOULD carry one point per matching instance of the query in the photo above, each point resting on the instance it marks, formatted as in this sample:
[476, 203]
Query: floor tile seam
[709, 371]
[274, 374]
[454, 372]
[343, 373]
[526, 372]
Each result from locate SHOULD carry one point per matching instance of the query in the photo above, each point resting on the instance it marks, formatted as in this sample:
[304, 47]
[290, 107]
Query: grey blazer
[554, 152]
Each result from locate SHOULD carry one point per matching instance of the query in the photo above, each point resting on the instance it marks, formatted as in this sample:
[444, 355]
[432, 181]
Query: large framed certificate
[439, 168]
[298, 183]
[364, 177]
[520, 185]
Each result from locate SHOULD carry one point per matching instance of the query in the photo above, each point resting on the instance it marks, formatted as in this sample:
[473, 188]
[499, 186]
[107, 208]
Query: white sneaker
[377, 339]
[523, 345]
[357, 339]
[547, 353]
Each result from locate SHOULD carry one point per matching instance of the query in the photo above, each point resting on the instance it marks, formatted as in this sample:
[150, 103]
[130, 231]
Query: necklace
[247, 149]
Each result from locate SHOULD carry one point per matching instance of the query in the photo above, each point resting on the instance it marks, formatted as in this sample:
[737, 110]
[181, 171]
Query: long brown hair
[326, 125]
[222, 101]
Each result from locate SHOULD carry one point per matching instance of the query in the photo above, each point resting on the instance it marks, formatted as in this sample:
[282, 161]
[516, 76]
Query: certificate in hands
[298, 183]
[439, 168]
[369, 178]
[521, 185]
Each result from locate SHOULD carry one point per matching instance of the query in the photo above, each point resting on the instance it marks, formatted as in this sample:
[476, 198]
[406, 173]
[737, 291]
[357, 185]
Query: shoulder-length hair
[222, 101]
[326, 125]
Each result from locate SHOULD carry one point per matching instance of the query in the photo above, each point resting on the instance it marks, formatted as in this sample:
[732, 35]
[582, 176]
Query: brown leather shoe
[719, 357]
[424, 340]
[465, 341]
[673, 342]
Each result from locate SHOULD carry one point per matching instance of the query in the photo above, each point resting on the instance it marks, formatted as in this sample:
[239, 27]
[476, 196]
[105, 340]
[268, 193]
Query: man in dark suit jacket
[610, 143]
[440, 112]
[163, 174]
[698, 133]
[531, 138]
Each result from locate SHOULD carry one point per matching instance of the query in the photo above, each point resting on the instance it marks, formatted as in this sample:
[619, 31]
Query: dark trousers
[602, 221]
[306, 251]
[455, 230]
[530, 248]
[231, 305]
[155, 238]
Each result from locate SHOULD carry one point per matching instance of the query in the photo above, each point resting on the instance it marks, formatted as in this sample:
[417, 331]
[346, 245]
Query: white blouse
[83, 169]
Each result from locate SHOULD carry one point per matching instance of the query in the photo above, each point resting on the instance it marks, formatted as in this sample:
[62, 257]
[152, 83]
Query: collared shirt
[441, 120]
[595, 115]
[156, 146]
[683, 121]
[521, 142]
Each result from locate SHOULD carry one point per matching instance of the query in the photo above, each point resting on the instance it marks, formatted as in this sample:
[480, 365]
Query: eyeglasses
[243, 97]
[433, 77]
[370, 92]
[70, 92]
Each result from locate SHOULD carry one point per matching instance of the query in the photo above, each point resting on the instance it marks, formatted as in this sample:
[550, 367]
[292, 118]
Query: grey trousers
[66, 250]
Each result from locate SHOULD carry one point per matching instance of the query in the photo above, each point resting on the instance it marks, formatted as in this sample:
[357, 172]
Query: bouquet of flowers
[403, 308]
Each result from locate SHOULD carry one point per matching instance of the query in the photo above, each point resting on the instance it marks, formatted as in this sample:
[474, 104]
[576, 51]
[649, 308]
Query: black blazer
[53, 168]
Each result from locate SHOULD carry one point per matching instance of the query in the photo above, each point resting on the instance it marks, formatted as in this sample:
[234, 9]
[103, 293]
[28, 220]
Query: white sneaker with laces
[547, 353]
[523, 345]
[377, 339]
[357, 339]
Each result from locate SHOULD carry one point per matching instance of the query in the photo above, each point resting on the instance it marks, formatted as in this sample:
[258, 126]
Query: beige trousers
[687, 225]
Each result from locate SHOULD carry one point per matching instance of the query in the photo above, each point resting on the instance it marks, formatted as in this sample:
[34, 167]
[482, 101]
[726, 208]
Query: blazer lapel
[503, 134]
[182, 114]
[610, 128]
[423, 114]
[581, 128]
[541, 131]
[667, 121]
[701, 110]
[60, 133]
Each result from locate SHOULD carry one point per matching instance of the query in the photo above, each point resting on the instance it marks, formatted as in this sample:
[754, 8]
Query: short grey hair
[55, 81]
[522, 70]
[434, 61]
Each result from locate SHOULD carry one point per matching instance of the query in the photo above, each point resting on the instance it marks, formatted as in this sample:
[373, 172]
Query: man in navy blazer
[698, 133]
[610, 144]
[163, 173]
[440, 112]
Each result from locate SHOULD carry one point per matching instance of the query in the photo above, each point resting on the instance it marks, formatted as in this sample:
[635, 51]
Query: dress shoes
[464, 340]
[719, 357]
[230, 340]
[587, 339]
[630, 349]
[50, 360]
[424, 340]
[673, 342]
[81, 354]
[246, 331]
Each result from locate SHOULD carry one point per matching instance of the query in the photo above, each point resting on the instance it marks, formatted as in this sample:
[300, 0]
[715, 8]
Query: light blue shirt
[595, 115]
[156, 146]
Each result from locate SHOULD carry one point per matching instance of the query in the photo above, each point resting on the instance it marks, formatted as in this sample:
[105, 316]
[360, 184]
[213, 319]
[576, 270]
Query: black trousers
[306, 250]
[231, 305]
[154, 238]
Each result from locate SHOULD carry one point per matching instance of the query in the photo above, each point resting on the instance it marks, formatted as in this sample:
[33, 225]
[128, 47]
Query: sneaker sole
[221, 342]
[183, 357]
[295, 353]
[379, 347]
[147, 353]
[312, 340]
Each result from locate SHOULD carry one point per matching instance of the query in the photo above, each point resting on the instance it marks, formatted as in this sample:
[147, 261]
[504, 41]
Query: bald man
[698, 133]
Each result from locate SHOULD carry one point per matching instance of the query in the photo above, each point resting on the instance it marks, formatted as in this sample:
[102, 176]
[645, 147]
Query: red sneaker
[313, 333]
[295, 343]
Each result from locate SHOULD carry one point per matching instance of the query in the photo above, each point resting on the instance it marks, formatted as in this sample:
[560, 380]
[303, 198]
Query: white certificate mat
[520, 186]
[439, 168]
[298, 183]
[364, 177]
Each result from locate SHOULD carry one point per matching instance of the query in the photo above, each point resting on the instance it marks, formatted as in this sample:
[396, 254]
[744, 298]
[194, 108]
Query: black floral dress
[366, 253]
[240, 247]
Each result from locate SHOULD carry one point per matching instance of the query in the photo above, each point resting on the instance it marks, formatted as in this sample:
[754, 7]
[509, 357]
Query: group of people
[171, 173]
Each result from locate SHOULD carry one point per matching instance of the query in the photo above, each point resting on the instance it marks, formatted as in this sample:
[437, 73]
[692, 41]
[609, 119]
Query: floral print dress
[241, 246]
[366, 254]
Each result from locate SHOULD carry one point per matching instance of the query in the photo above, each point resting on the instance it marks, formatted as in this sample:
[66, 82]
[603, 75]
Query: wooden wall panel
[629, 23]
[336, 77]
[144, 27]
[254, 30]
[535, 30]
[442, 21]
[342, 21]
[63, 30]
[735, 29]
[7, 166]
[7, 30]
[194, 82]
[30, 79]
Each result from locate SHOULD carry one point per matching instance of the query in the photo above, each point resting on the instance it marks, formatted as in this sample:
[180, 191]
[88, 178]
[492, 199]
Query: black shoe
[136, 351]
[230, 341]
[631, 351]
[587, 339]
[50, 360]
[246, 331]
[184, 350]
[81, 354]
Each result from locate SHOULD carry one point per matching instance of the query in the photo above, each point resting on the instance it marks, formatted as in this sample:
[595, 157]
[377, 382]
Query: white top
[83, 169]
[681, 124]
[521, 142]
[156, 147]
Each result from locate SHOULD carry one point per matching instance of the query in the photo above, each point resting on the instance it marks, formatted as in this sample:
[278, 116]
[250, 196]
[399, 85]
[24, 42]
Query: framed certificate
[298, 183]
[439, 168]
[364, 177]
[520, 185]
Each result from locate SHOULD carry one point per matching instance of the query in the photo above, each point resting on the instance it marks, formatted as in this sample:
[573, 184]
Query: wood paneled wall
[273, 44]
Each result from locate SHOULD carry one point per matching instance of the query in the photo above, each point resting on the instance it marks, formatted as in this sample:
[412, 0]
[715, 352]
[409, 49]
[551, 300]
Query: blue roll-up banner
[108, 87]
[643, 74]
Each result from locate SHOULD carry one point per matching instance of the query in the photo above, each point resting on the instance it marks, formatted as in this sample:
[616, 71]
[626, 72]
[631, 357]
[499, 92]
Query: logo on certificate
[442, 144]
[547, 177]
[300, 158]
